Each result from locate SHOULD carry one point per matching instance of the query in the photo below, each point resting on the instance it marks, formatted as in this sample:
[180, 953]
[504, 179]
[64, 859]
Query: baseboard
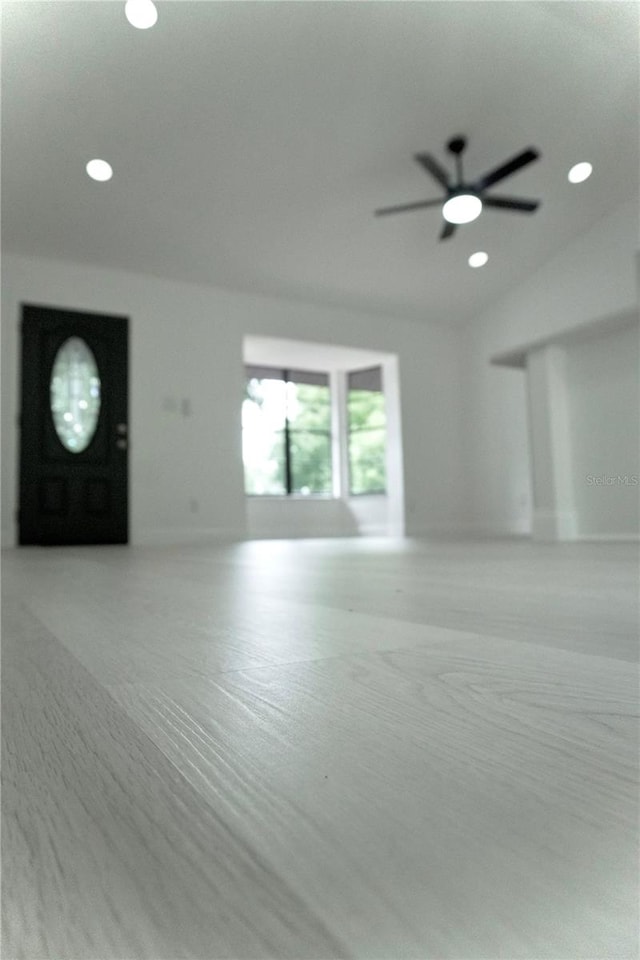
[378, 530]
[171, 536]
[470, 531]
[329, 533]
[554, 525]
[9, 538]
[609, 537]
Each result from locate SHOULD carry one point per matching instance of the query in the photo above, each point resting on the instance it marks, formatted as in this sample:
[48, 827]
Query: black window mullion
[289, 431]
[287, 458]
[287, 439]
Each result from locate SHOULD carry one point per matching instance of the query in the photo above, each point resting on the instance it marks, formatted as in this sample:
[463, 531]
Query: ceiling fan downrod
[457, 146]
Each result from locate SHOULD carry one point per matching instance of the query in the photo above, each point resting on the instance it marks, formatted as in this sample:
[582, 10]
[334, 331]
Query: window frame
[287, 375]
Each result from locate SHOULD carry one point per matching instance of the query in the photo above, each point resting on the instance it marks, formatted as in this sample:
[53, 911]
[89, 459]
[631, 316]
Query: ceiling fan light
[580, 172]
[99, 170]
[141, 13]
[462, 208]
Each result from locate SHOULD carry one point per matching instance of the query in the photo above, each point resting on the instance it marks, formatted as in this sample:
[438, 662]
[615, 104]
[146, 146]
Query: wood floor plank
[432, 784]
[575, 596]
[147, 629]
[367, 749]
[107, 850]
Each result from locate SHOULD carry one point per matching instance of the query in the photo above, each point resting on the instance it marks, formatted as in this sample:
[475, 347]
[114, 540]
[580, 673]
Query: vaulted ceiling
[251, 141]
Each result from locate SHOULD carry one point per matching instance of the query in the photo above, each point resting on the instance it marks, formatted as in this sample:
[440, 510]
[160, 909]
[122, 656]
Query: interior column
[554, 515]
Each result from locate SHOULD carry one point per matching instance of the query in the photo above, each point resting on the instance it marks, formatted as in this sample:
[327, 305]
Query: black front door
[74, 427]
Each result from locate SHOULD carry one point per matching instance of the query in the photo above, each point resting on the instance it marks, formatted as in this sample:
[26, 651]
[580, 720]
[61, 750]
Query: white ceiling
[251, 141]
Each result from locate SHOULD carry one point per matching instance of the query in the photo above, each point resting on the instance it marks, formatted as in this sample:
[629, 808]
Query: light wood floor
[321, 749]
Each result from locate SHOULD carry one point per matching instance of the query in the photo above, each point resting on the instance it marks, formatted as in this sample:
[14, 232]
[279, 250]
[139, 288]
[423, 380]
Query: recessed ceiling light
[141, 13]
[478, 259]
[462, 209]
[99, 170]
[580, 172]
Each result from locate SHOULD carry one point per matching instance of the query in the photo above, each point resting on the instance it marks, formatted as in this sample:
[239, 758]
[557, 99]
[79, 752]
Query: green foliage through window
[367, 432]
[286, 420]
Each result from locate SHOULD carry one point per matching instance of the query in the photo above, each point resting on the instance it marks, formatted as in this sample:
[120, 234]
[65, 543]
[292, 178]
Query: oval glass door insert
[75, 394]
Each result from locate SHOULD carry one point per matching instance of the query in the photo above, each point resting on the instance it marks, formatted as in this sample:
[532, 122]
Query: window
[286, 432]
[75, 394]
[367, 427]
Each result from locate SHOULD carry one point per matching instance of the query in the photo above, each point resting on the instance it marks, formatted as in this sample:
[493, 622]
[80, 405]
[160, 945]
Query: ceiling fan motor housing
[456, 145]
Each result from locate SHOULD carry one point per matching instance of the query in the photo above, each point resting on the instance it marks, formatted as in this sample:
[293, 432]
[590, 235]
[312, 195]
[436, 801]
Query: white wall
[604, 411]
[592, 280]
[186, 343]
[292, 517]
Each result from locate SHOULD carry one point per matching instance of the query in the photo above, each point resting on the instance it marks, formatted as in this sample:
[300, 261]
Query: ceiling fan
[463, 202]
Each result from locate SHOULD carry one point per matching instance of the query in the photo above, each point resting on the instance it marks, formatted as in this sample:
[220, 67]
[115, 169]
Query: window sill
[313, 497]
[291, 496]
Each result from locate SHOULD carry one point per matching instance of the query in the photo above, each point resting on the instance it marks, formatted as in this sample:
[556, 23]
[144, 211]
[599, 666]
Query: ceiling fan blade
[511, 203]
[448, 230]
[408, 206]
[507, 169]
[433, 167]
